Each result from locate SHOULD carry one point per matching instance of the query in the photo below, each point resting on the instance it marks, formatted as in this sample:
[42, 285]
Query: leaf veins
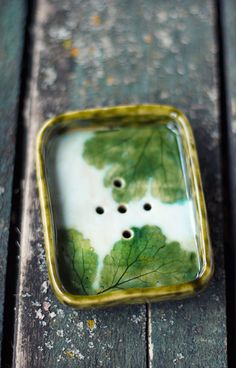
[147, 260]
[138, 155]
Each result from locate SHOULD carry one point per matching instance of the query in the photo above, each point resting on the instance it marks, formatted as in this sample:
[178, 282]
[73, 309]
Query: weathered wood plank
[65, 76]
[228, 24]
[12, 22]
[192, 333]
[230, 39]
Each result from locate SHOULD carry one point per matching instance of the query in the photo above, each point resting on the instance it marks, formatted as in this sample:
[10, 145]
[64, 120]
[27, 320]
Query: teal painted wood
[12, 21]
[230, 38]
[228, 18]
[88, 54]
[193, 333]
[229, 23]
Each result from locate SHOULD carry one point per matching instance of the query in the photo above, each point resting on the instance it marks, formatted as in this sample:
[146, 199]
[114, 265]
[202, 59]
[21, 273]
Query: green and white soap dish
[122, 206]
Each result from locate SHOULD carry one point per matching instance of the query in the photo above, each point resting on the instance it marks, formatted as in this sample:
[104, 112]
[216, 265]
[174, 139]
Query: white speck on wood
[50, 77]
[179, 357]
[60, 333]
[60, 313]
[2, 190]
[39, 314]
[46, 306]
[44, 287]
[52, 315]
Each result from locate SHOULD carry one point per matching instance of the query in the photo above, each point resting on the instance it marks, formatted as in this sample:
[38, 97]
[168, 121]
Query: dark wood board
[229, 14]
[90, 53]
[193, 333]
[12, 23]
[228, 35]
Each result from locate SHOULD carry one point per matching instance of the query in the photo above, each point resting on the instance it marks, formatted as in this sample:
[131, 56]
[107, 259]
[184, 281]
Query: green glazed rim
[134, 295]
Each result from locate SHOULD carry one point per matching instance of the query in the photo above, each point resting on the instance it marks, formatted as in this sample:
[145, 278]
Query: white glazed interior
[81, 189]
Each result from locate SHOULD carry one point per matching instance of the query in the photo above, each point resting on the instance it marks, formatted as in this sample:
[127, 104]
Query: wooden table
[72, 54]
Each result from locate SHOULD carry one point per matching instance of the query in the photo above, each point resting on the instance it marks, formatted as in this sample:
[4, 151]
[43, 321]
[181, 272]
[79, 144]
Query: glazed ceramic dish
[122, 206]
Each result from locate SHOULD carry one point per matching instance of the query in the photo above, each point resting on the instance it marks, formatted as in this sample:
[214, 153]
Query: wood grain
[90, 53]
[193, 333]
[49, 334]
[12, 22]
[228, 59]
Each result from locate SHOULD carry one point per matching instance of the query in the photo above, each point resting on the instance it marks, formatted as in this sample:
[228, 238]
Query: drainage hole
[122, 208]
[100, 210]
[118, 183]
[147, 207]
[127, 234]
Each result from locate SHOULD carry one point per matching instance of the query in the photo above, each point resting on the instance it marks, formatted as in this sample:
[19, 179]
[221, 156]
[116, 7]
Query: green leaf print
[77, 262]
[143, 157]
[147, 260]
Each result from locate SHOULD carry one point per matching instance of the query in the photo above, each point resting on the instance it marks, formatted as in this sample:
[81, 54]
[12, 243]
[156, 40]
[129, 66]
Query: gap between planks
[228, 180]
[150, 345]
[31, 110]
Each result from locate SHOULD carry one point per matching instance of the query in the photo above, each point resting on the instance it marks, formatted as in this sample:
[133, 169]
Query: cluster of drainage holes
[122, 208]
[119, 183]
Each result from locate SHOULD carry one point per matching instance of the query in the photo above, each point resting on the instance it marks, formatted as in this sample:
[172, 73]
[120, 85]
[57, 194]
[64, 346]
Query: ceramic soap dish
[122, 206]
